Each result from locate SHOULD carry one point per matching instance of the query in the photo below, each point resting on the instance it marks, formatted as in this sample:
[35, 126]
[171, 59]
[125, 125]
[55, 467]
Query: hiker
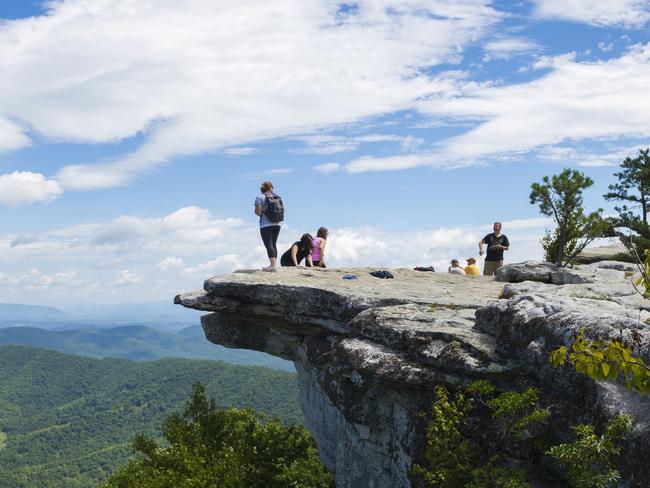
[318, 248]
[455, 267]
[472, 268]
[270, 209]
[496, 243]
[298, 251]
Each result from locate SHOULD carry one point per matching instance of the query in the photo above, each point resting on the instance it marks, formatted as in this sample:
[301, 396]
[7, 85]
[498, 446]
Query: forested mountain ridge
[68, 421]
[136, 342]
[17, 311]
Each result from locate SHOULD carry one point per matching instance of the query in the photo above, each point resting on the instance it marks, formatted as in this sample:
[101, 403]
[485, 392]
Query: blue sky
[134, 134]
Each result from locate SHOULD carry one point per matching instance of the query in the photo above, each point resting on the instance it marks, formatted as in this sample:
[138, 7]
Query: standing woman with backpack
[270, 209]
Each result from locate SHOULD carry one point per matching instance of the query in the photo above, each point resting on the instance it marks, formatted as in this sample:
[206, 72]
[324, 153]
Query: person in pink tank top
[318, 248]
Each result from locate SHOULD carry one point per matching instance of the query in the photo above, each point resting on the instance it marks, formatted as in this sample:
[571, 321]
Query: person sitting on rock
[455, 267]
[496, 243]
[318, 248]
[298, 251]
[472, 268]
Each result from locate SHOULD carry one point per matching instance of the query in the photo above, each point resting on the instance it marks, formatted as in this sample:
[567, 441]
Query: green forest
[69, 421]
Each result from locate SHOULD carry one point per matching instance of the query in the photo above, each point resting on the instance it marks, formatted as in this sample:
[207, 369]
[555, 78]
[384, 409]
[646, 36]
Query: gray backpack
[273, 207]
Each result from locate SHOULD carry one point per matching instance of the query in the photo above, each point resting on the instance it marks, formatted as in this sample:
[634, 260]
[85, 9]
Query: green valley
[68, 421]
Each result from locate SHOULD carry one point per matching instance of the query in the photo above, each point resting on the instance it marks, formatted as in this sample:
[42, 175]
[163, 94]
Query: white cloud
[327, 168]
[168, 263]
[128, 278]
[35, 280]
[391, 163]
[566, 155]
[225, 263]
[372, 247]
[11, 136]
[532, 223]
[377, 138]
[127, 258]
[552, 61]
[576, 156]
[22, 187]
[575, 102]
[269, 173]
[329, 144]
[507, 47]
[623, 13]
[107, 261]
[240, 151]
[186, 227]
[197, 78]
[186, 230]
[411, 143]
[439, 160]
[325, 144]
[605, 47]
[62, 279]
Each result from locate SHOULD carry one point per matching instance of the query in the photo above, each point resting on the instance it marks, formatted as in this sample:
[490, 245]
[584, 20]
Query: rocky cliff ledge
[369, 351]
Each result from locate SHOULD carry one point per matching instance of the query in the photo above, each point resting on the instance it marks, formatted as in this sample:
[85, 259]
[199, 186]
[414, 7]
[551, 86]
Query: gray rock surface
[368, 352]
[549, 273]
[603, 253]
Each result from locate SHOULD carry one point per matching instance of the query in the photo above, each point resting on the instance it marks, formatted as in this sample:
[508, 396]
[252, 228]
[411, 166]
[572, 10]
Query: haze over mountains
[162, 312]
[19, 312]
[138, 331]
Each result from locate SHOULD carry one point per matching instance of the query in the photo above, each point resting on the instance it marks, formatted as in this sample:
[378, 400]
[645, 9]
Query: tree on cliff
[633, 189]
[228, 448]
[560, 197]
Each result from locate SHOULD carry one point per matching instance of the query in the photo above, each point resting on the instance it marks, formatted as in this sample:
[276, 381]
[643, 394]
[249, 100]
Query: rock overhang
[425, 318]
[369, 351]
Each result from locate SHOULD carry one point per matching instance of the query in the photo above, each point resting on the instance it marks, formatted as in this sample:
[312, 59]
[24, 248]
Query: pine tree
[560, 197]
[633, 189]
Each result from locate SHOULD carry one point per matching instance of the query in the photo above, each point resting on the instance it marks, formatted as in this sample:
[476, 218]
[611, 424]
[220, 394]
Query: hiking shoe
[270, 269]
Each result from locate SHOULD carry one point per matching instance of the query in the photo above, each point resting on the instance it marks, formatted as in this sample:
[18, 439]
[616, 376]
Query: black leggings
[270, 239]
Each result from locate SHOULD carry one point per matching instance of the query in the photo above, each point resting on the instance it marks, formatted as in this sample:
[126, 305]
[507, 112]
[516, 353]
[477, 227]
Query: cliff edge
[369, 351]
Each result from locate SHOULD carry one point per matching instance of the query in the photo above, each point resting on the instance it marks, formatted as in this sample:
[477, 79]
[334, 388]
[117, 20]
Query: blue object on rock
[350, 277]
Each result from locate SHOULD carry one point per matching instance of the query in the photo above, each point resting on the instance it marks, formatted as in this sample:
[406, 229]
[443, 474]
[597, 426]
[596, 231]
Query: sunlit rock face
[369, 351]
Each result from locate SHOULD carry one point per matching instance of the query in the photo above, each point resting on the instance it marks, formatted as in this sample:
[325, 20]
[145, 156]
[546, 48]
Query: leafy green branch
[606, 360]
[462, 453]
[590, 460]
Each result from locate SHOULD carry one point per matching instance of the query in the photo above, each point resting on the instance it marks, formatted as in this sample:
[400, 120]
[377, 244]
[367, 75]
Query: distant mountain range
[159, 310]
[15, 311]
[136, 342]
[162, 314]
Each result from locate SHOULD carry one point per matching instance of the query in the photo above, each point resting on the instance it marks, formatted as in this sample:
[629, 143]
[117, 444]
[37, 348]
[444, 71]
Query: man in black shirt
[496, 243]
